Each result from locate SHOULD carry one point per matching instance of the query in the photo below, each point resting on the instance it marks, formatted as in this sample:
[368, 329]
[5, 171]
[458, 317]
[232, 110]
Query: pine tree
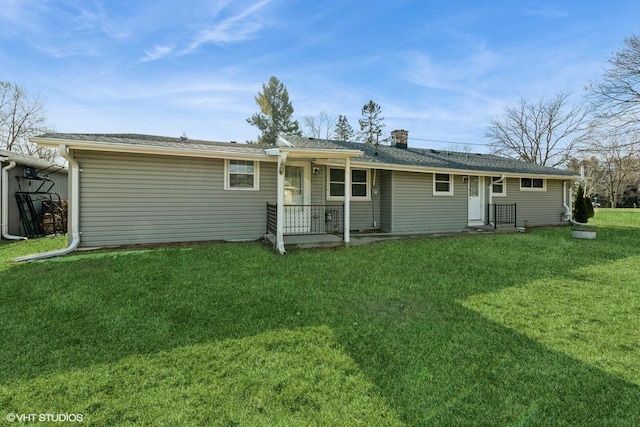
[275, 113]
[343, 130]
[371, 123]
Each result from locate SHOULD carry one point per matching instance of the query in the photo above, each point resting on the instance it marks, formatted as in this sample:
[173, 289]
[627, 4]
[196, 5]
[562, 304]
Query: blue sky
[439, 69]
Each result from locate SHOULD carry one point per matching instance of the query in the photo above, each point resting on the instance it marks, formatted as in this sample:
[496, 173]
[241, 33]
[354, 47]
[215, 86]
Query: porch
[300, 220]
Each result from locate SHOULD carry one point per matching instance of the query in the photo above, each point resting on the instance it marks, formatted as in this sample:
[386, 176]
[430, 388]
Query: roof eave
[314, 153]
[147, 149]
[428, 169]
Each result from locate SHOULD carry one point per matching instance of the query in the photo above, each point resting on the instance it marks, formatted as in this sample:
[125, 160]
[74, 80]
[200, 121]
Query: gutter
[74, 170]
[5, 203]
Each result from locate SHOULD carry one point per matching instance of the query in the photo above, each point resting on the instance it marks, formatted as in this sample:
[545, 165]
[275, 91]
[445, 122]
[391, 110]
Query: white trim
[331, 198]
[544, 185]
[451, 185]
[425, 169]
[481, 197]
[306, 178]
[347, 201]
[256, 176]
[503, 183]
[158, 151]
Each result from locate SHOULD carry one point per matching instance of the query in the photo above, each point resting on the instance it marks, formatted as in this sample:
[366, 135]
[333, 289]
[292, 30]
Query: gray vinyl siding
[60, 187]
[362, 212]
[535, 207]
[131, 199]
[384, 188]
[417, 210]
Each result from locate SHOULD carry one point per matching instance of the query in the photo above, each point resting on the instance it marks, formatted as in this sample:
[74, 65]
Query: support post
[347, 200]
[280, 204]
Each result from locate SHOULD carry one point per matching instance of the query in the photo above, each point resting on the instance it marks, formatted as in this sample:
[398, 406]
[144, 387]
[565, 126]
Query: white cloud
[156, 53]
[241, 26]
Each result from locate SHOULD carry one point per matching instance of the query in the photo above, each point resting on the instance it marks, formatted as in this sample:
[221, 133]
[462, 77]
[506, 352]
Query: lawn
[519, 329]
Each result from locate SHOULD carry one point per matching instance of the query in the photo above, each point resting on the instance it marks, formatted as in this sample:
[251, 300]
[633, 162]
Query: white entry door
[476, 200]
[297, 212]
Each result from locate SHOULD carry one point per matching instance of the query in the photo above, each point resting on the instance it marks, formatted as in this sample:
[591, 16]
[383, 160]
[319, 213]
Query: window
[241, 175]
[359, 184]
[498, 189]
[533, 184]
[442, 184]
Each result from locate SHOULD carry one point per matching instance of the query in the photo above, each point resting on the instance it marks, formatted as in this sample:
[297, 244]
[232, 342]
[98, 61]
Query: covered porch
[294, 215]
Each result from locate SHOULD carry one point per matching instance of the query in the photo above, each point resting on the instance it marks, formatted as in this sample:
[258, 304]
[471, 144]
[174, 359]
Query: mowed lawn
[521, 329]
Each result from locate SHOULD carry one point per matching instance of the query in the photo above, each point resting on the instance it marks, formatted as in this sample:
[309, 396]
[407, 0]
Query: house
[140, 189]
[33, 181]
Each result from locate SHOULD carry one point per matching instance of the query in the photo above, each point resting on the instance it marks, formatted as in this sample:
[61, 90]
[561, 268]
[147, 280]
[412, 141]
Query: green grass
[522, 329]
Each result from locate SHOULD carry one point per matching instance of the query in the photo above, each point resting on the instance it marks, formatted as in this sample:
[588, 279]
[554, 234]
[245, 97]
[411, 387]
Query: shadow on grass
[297, 377]
[391, 305]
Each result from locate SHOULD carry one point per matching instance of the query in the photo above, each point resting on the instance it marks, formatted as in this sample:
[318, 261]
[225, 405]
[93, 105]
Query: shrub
[580, 213]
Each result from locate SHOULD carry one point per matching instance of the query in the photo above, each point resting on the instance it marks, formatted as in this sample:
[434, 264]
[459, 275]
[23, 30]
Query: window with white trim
[359, 184]
[241, 175]
[498, 189]
[442, 184]
[533, 184]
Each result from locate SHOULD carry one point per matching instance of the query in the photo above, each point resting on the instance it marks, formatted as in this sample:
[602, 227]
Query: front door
[476, 200]
[297, 212]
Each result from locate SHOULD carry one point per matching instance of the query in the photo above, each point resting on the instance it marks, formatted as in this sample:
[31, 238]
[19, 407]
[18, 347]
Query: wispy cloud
[156, 53]
[241, 26]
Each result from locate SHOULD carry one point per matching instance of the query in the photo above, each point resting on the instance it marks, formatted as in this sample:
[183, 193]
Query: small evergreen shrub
[580, 213]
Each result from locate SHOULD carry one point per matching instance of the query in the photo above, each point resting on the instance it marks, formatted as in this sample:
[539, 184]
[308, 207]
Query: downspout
[565, 203]
[5, 203]
[374, 190]
[74, 199]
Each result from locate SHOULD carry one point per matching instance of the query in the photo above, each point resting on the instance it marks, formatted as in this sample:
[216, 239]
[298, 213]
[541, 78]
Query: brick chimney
[399, 138]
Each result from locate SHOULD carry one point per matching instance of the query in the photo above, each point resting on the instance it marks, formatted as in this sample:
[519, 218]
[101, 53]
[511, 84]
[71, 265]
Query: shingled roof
[153, 141]
[436, 159]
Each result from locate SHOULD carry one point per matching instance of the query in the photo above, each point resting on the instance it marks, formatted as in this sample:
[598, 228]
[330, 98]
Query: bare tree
[320, 126]
[616, 98]
[620, 167]
[21, 117]
[546, 132]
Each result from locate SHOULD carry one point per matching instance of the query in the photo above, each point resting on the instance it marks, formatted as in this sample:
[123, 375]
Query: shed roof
[25, 159]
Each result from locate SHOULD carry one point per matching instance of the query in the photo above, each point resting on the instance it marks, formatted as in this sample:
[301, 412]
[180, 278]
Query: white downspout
[282, 159]
[74, 204]
[347, 200]
[5, 203]
[565, 202]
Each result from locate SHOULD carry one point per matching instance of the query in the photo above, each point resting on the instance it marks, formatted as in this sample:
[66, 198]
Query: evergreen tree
[580, 213]
[371, 123]
[275, 113]
[343, 130]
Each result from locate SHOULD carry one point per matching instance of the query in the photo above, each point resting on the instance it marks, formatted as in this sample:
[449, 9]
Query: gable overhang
[153, 150]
